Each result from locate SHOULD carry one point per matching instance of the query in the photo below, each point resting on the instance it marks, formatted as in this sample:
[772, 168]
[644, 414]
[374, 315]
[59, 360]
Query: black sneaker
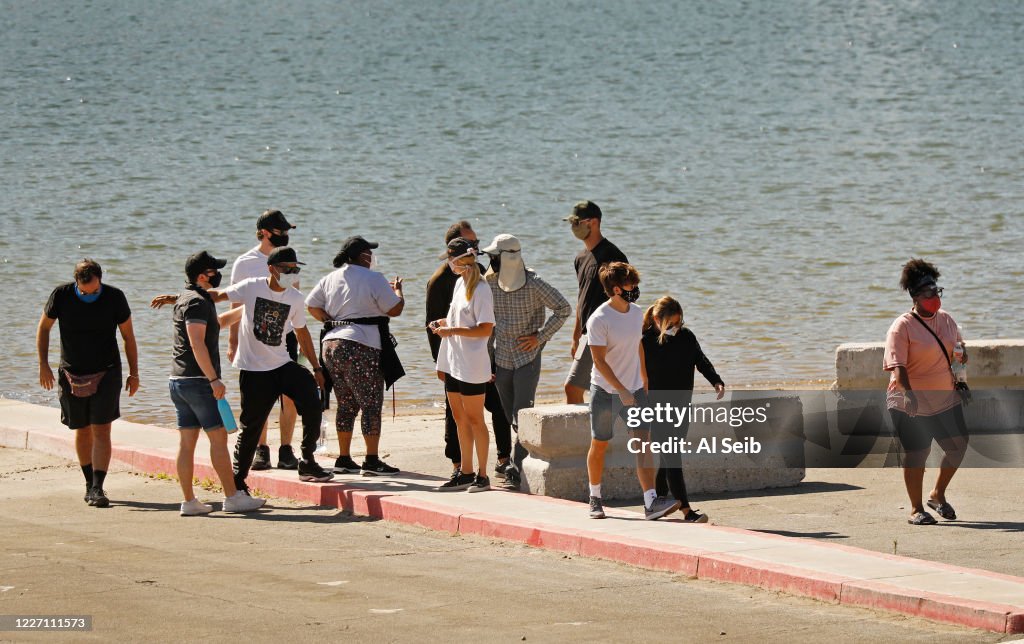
[99, 498]
[286, 458]
[596, 508]
[513, 480]
[480, 484]
[502, 466]
[457, 482]
[311, 472]
[262, 460]
[693, 516]
[345, 465]
[378, 467]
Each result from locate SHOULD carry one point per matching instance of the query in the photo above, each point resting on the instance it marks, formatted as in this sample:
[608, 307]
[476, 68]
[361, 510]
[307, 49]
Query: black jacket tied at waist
[390, 366]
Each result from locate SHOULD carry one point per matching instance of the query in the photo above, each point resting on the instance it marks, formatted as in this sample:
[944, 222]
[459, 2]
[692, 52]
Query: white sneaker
[242, 502]
[195, 507]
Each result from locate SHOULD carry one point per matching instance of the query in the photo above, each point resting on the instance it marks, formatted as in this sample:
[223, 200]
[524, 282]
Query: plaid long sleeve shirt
[520, 313]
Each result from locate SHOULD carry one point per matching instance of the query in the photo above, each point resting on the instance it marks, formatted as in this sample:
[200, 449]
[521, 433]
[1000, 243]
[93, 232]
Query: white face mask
[290, 280]
[373, 261]
[670, 332]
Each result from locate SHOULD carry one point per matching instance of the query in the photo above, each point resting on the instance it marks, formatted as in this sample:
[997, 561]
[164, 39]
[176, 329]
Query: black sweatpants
[260, 390]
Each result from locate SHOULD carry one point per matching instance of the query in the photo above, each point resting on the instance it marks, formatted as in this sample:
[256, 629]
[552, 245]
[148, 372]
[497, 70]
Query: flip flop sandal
[945, 510]
[921, 518]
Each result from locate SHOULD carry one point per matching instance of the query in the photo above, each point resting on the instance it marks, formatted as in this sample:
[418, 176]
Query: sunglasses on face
[932, 291]
[288, 270]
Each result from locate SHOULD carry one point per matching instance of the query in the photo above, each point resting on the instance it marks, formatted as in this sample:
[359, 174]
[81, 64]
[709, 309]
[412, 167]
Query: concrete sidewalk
[825, 571]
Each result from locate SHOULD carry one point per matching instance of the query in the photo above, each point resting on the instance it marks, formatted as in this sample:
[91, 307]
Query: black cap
[460, 246]
[273, 220]
[355, 246]
[584, 210]
[200, 262]
[283, 255]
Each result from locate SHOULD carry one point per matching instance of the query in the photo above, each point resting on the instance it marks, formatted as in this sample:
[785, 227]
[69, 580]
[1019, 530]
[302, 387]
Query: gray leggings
[517, 389]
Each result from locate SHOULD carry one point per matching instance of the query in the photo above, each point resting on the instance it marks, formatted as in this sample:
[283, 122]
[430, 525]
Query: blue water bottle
[226, 415]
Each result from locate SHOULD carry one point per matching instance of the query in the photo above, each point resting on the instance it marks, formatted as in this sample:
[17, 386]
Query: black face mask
[496, 263]
[215, 280]
[631, 296]
[277, 241]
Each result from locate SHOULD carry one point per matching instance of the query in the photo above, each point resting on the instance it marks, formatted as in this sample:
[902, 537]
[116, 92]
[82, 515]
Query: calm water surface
[769, 164]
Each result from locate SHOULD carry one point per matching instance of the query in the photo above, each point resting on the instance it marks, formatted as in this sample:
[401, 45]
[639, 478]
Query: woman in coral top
[921, 397]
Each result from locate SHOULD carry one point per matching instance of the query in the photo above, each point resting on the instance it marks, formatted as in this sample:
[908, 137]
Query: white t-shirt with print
[621, 333]
[354, 292]
[467, 358]
[268, 316]
[252, 263]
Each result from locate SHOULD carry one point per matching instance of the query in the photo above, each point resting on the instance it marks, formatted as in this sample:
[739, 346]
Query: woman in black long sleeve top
[671, 354]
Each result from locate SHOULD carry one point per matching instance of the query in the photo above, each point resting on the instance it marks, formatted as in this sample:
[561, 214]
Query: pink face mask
[456, 267]
[930, 304]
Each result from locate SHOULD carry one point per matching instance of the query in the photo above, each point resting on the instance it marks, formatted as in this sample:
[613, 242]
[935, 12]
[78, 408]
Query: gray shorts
[579, 373]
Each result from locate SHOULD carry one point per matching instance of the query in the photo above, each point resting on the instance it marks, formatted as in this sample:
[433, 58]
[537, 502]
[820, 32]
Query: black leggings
[259, 391]
[670, 466]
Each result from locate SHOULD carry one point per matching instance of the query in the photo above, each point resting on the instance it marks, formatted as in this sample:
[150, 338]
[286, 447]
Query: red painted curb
[420, 513]
[933, 606]
[795, 581]
[645, 554]
[532, 534]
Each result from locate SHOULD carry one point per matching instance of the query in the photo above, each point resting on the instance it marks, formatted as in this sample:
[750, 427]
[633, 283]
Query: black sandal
[921, 518]
[945, 510]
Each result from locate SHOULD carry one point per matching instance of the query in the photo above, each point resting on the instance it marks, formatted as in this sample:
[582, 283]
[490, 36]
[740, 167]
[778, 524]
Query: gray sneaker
[661, 507]
[596, 508]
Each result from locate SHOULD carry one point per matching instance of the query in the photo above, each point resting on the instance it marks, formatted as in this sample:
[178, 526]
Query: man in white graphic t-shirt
[272, 306]
[272, 232]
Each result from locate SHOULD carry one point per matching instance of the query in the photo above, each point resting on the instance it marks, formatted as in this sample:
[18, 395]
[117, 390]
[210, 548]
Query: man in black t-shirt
[89, 379]
[196, 387]
[586, 226]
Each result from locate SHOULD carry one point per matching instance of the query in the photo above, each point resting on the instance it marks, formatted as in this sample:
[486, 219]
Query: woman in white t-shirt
[464, 364]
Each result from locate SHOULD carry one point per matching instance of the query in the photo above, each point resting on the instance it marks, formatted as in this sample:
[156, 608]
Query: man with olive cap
[520, 300]
[585, 221]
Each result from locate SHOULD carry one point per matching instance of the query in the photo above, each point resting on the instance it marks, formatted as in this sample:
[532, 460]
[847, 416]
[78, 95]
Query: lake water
[771, 165]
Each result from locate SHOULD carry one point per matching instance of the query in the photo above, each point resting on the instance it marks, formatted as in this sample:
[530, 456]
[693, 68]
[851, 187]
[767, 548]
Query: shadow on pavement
[806, 535]
[1004, 526]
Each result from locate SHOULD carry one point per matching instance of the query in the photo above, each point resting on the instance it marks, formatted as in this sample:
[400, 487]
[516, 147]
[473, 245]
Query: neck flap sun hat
[512, 272]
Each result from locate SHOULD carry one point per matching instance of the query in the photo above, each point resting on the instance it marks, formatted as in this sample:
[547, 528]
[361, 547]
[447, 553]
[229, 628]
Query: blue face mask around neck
[88, 298]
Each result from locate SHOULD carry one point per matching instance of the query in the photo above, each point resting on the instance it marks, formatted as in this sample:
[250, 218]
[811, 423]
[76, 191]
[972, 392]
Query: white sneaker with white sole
[242, 502]
[195, 507]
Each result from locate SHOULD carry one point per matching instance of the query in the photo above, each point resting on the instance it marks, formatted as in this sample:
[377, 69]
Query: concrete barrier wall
[558, 438]
[992, 364]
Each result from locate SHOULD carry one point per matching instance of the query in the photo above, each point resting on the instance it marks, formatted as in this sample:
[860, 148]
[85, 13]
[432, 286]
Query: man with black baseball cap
[195, 384]
[585, 221]
[272, 232]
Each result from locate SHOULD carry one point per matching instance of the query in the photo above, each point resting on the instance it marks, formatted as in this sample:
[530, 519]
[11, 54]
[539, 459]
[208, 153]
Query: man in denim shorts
[195, 384]
[618, 381]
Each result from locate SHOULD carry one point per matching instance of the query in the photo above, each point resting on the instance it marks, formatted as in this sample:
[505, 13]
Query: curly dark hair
[915, 273]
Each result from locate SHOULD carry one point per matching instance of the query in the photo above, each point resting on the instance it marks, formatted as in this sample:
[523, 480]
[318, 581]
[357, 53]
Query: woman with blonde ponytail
[671, 353]
[464, 365]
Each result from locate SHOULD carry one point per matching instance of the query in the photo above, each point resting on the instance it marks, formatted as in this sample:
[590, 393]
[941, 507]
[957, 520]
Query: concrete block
[558, 438]
[991, 364]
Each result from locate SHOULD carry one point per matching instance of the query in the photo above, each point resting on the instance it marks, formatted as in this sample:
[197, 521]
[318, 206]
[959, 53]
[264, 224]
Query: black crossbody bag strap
[949, 362]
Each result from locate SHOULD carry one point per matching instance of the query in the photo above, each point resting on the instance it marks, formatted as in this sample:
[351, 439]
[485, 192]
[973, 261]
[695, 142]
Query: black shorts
[101, 408]
[917, 432]
[456, 386]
